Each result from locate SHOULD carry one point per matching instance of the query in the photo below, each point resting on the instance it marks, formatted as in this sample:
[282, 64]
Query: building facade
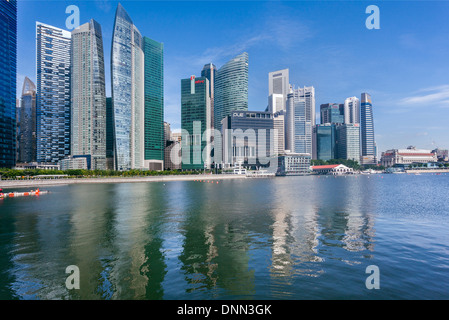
[368, 144]
[278, 89]
[88, 123]
[325, 140]
[53, 101]
[154, 104]
[407, 156]
[231, 88]
[352, 110]
[300, 120]
[210, 72]
[8, 75]
[109, 135]
[27, 123]
[348, 139]
[127, 73]
[249, 138]
[331, 113]
[195, 123]
[292, 164]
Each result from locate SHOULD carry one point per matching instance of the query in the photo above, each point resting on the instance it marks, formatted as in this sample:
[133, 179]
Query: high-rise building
[300, 120]
[210, 72]
[348, 137]
[368, 144]
[278, 89]
[231, 88]
[127, 73]
[27, 123]
[154, 104]
[325, 138]
[331, 113]
[249, 138]
[88, 123]
[109, 135]
[8, 75]
[352, 110]
[195, 123]
[279, 127]
[53, 65]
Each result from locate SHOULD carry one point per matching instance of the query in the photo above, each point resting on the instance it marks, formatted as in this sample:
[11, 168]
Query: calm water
[280, 238]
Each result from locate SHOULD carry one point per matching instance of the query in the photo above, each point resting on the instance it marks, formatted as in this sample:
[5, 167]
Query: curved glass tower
[127, 73]
[231, 88]
[27, 123]
[88, 94]
[8, 65]
[367, 130]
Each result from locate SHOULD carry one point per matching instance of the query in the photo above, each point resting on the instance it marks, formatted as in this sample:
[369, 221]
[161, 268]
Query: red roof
[328, 166]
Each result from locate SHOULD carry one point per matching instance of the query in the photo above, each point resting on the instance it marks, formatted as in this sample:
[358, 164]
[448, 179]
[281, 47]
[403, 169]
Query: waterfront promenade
[64, 181]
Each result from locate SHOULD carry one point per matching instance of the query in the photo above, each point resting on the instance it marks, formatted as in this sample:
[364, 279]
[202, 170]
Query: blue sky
[404, 65]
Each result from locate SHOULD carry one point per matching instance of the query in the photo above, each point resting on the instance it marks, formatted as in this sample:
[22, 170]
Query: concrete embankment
[55, 182]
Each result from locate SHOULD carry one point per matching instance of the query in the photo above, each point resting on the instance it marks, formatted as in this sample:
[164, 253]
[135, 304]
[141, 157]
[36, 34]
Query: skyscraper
[231, 88]
[8, 74]
[27, 123]
[352, 110]
[210, 72]
[53, 93]
[195, 123]
[127, 73]
[88, 134]
[348, 137]
[300, 120]
[325, 137]
[109, 135]
[331, 113]
[278, 89]
[368, 144]
[154, 104]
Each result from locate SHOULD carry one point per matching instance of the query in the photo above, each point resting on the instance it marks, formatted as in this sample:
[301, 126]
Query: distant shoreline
[55, 182]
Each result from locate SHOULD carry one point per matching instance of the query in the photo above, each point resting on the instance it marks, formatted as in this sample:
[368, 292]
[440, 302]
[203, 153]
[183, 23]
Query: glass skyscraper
[8, 74]
[368, 145]
[348, 137]
[352, 110]
[53, 93]
[231, 88]
[27, 123]
[278, 89]
[325, 137]
[210, 72]
[195, 121]
[300, 120]
[127, 73]
[154, 104]
[88, 134]
[331, 113]
[109, 135]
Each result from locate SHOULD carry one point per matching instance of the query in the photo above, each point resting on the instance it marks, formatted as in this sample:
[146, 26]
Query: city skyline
[401, 108]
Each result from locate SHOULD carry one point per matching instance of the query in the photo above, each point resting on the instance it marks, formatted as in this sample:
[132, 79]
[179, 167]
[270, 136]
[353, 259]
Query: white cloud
[435, 96]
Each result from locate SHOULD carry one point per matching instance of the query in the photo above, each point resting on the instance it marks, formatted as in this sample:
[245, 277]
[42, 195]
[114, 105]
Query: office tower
[231, 88]
[154, 104]
[248, 137]
[27, 123]
[8, 74]
[127, 73]
[300, 120]
[352, 110]
[325, 137]
[348, 137]
[278, 89]
[88, 133]
[210, 72]
[279, 127]
[195, 123]
[53, 93]
[331, 113]
[109, 135]
[368, 144]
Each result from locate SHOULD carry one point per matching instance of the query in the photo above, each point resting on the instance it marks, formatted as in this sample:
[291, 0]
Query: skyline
[406, 112]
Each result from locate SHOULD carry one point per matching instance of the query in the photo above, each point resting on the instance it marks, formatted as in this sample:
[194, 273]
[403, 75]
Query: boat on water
[36, 192]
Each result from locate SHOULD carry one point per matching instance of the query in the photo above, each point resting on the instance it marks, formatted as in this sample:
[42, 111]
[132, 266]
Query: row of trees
[73, 173]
